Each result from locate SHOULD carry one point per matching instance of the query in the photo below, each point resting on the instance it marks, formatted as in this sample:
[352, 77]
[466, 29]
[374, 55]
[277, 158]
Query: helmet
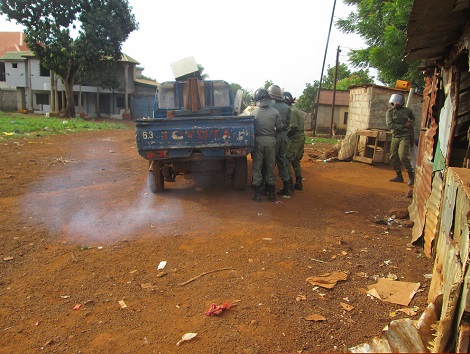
[397, 98]
[275, 92]
[287, 98]
[261, 95]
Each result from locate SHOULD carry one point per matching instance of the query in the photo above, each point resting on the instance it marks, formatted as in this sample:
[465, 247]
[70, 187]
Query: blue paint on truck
[195, 128]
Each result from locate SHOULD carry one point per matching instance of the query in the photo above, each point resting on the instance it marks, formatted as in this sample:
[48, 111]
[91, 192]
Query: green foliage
[75, 36]
[147, 78]
[268, 83]
[247, 98]
[344, 80]
[103, 74]
[306, 102]
[204, 76]
[383, 25]
[329, 79]
[21, 126]
[360, 77]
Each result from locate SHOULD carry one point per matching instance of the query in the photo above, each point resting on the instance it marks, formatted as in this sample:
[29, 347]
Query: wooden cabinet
[373, 146]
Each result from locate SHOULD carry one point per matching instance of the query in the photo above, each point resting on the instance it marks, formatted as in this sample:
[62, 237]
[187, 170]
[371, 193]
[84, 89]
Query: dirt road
[80, 231]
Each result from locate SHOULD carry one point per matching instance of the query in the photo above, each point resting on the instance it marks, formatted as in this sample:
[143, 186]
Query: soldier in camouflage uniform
[400, 121]
[267, 121]
[295, 149]
[282, 141]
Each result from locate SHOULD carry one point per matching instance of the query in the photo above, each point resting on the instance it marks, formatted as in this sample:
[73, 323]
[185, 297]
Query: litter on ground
[327, 280]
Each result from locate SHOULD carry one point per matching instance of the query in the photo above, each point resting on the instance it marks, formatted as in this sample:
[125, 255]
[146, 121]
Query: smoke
[87, 203]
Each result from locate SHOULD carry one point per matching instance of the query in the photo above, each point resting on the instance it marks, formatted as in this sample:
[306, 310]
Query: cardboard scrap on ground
[396, 292]
[327, 280]
[410, 311]
[315, 317]
[346, 306]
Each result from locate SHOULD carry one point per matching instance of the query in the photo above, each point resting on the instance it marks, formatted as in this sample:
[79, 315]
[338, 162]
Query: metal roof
[341, 97]
[12, 42]
[16, 56]
[434, 27]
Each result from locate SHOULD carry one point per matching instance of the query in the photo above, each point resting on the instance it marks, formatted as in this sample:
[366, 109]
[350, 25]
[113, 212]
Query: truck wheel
[240, 173]
[155, 177]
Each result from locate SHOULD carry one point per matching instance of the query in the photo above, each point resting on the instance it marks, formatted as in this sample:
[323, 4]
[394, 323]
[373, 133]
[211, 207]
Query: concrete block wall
[7, 99]
[369, 104]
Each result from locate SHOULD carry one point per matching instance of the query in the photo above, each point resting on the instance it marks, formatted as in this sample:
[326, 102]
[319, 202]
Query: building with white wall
[40, 91]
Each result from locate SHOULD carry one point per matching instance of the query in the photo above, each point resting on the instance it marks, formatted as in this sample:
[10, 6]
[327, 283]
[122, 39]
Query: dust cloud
[70, 206]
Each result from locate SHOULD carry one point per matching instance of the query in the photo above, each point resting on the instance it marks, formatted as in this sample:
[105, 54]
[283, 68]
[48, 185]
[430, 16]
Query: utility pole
[314, 125]
[334, 92]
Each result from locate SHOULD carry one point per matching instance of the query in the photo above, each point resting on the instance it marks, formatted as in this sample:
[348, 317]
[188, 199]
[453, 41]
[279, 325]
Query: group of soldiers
[279, 140]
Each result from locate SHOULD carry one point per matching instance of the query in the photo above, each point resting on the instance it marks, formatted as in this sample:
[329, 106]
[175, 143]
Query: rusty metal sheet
[424, 166]
[463, 339]
[405, 335]
[462, 213]
[450, 273]
[433, 204]
[461, 177]
[435, 25]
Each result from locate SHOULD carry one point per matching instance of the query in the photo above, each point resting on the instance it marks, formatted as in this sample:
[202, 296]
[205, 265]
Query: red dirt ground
[79, 228]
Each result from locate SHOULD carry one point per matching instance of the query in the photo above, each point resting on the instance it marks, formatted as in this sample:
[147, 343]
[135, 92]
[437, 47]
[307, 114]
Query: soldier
[400, 121]
[281, 138]
[295, 149]
[267, 120]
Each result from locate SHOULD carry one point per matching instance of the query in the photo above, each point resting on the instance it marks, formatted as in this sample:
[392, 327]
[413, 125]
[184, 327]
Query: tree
[268, 83]
[329, 79]
[203, 76]
[383, 25]
[75, 36]
[247, 98]
[360, 77]
[306, 102]
[344, 80]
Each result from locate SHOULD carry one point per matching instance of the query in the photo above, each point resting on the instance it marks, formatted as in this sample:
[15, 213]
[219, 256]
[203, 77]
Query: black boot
[257, 196]
[398, 178]
[298, 183]
[272, 192]
[411, 176]
[285, 189]
[291, 185]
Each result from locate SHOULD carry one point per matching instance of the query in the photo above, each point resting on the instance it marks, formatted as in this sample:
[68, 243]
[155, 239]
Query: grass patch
[16, 125]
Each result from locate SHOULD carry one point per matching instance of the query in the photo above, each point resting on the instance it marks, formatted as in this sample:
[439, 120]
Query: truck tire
[240, 173]
[155, 177]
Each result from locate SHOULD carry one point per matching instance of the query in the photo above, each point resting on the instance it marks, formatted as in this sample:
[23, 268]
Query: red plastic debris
[217, 310]
[77, 306]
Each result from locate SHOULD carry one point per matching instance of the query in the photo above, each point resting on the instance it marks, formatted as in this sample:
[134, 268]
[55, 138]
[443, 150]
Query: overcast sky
[244, 41]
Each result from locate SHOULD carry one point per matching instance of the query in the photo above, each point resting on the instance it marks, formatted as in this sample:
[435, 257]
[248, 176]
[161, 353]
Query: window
[120, 102]
[42, 98]
[2, 72]
[43, 71]
[345, 118]
[14, 65]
